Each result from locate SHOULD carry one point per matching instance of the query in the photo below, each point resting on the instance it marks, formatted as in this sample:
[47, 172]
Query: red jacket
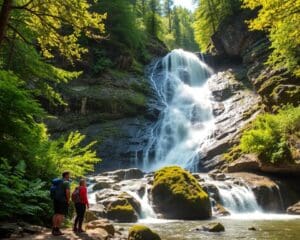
[83, 195]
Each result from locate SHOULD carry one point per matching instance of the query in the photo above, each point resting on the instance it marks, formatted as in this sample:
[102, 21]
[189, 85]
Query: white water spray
[185, 125]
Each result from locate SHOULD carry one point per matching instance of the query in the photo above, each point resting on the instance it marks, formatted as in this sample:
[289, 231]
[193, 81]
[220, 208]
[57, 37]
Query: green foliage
[140, 232]
[20, 134]
[28, 155]
[56, 25]
[26, 62]
[281, 20]
[269, 134]
[19, 197]
[68, 154]
[208, 17]
[122, 25]
[102, 62]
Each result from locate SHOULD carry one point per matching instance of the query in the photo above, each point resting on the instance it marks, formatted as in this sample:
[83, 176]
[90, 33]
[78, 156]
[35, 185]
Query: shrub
[269, 134]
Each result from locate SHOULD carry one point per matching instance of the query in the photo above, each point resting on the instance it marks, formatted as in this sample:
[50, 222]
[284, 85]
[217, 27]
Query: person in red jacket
[81, 206]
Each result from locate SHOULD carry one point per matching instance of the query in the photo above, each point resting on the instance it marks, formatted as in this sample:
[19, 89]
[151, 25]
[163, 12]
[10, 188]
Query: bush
[21, 198]
[269, 134]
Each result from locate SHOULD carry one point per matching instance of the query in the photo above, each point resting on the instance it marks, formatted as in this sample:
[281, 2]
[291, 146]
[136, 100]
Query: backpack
[57, 190]
[76, 195]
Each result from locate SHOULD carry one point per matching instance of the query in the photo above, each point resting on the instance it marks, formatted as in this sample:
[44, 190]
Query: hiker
[60, 193]
[80, 198]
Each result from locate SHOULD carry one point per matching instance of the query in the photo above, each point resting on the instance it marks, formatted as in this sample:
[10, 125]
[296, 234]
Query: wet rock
[102, 224]
[218, 176]
[127, 174]
[212, 190]
[101, 185]
[211, 227]
[177, 195]
[252, 229]
[105, 194]
[220, 210]
[223, 86]
[218, 109]
[294, 209]
[139, 232]
[246, 163]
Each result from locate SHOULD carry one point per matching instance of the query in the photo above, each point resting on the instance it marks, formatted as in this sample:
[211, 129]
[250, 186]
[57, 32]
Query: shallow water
[269, 226]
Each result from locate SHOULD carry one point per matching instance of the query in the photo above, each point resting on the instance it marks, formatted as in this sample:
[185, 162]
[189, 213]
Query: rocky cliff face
[233, 40]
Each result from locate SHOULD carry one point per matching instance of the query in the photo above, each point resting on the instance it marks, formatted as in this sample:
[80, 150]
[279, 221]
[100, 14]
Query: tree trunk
[4, 17]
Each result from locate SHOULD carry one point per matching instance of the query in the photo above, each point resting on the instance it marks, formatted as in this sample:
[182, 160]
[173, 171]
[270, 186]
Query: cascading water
[186, 122]
[236, 196]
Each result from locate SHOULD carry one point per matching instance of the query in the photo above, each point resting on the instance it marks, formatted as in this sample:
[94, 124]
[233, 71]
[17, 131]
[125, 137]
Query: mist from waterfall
[186, 122]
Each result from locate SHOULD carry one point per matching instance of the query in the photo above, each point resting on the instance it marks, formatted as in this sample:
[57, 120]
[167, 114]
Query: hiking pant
[80, 211]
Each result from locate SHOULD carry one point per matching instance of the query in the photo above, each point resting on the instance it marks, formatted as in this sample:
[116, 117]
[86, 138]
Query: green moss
[140, 232]
[174, 187]
[121, 211]
[233, 154]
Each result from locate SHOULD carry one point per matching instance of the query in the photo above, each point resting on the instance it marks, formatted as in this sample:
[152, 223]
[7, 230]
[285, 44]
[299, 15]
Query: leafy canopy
[56, 24]
[281, 19]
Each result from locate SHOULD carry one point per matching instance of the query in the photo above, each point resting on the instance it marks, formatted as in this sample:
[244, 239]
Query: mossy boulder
[177, 195]
[140, 232]
[122, 212]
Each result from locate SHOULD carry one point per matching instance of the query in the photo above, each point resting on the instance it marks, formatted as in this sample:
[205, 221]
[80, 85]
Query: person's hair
[65, 174]
[81, 182]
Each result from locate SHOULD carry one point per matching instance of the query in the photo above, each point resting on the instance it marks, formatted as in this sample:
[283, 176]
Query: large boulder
[294, 209]
[139, 232]
[122, 211]
[177, 195]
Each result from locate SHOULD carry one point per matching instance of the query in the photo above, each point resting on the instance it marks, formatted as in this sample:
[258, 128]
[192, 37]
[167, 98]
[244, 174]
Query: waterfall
[147, 211]
[236, 196]
[186, 122]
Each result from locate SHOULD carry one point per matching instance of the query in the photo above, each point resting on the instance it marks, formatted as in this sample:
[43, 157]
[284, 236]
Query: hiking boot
[81, 230]
[75, 229]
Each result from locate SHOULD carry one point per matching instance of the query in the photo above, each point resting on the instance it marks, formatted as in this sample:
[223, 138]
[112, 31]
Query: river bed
[268, 226]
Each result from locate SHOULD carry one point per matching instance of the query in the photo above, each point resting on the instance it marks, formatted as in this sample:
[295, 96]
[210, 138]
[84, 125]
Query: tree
[153, 21]
[281, 19]
[177, 28]
[121, 22]
[56, 24]
[168, 4]
[209, 15]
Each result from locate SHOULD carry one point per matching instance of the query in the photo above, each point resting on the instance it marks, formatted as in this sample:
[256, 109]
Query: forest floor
[68, 235]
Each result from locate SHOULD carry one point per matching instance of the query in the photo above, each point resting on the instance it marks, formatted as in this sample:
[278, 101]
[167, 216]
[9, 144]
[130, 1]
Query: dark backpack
[57, 191]
[76, 195]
